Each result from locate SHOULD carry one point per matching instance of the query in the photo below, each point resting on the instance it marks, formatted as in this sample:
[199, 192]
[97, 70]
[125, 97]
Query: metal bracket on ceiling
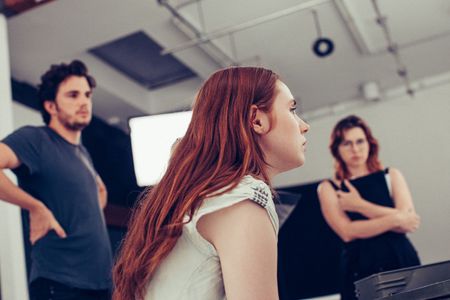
[213, 51]
[208, 37]
[392, 48]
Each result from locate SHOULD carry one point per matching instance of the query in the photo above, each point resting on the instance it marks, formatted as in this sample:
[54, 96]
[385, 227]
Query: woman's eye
[294, 110]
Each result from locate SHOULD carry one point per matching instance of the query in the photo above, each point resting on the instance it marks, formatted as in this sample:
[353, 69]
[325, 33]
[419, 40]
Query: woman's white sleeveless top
[192, 269]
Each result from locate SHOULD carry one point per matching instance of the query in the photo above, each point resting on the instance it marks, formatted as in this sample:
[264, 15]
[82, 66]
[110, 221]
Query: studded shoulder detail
[261, 194]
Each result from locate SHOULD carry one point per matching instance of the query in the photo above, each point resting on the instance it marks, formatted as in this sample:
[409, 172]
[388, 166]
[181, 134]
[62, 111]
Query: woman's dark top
[384, 252]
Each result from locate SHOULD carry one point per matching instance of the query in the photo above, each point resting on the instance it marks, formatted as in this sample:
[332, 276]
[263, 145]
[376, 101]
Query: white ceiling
[63, 30]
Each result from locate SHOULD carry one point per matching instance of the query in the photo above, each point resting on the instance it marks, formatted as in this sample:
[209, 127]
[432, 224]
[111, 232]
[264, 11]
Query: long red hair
[337, 136]
[218, 149]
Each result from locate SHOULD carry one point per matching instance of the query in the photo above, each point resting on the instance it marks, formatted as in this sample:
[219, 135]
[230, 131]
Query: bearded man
[59, 187]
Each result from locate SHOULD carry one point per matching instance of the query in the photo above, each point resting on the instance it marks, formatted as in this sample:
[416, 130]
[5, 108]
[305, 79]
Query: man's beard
[72, 126]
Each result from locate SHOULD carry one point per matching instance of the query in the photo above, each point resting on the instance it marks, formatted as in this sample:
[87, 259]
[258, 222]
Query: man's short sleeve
[25, 143]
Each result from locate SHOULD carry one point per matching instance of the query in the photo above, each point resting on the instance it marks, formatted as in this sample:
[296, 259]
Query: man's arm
[102, 192]
[41, 218]
[9, 191]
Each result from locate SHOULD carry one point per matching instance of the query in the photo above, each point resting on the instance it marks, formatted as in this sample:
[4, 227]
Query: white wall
[23, 115]
[12, 262]
[414, 135]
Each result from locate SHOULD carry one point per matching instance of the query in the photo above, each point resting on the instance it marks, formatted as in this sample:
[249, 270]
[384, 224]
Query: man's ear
[50, 107]
[259, 120]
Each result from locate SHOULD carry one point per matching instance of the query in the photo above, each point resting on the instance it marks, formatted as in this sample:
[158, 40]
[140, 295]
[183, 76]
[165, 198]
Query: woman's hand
[351, 200]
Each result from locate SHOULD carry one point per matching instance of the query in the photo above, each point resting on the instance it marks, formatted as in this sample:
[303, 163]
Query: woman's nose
[304, 127]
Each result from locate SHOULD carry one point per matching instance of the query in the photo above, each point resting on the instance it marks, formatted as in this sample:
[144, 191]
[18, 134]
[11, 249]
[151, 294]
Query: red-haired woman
[372, 220]
[208, 230]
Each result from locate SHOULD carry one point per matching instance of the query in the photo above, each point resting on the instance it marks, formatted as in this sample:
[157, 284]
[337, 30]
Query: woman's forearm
[369, 228]
[373, 211]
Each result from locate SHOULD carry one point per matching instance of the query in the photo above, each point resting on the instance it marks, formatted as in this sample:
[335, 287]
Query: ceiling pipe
[235, 28]
[392, 48]
[217, 54]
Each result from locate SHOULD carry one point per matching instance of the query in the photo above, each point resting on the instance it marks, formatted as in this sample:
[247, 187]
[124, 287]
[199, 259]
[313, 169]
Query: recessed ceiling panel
[138, 56]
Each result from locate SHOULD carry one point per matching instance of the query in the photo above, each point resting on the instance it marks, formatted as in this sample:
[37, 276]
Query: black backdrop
[308, 250]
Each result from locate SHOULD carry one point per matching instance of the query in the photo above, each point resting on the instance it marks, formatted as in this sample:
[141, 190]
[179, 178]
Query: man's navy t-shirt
[61, 175]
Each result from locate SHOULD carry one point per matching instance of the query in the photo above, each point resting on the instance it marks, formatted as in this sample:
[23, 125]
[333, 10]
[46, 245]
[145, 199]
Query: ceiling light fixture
[322, 46]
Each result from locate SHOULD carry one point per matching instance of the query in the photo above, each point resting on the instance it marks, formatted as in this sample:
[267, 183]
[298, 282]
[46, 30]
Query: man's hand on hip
[41, 222]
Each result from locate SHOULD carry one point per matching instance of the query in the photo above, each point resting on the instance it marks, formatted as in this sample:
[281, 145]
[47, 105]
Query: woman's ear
[259, 120]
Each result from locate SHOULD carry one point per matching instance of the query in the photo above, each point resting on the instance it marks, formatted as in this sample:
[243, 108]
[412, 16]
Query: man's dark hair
[51, 80]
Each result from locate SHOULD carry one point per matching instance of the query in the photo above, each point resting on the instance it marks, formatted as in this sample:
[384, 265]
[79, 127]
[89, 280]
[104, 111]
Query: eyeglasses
[349, 144]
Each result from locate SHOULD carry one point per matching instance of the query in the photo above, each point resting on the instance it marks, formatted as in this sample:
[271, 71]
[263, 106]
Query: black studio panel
[308, 250]
[110, 149]
[138, 56]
